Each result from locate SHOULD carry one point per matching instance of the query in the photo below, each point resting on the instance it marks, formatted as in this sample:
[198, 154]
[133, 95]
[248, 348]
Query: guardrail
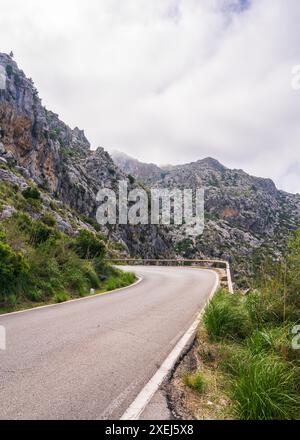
[218, 264]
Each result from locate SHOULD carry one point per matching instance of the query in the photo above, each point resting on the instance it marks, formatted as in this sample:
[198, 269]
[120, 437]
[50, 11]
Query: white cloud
[169, 81]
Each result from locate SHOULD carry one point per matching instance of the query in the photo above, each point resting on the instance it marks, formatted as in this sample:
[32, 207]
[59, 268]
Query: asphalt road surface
[89, 359]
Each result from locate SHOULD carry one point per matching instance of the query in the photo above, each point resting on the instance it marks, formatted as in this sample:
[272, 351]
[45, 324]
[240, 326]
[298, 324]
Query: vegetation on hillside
[246, 342]
[41, 264]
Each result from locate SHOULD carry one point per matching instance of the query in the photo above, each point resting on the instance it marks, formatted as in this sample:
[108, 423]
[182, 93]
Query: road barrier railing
[207, 263]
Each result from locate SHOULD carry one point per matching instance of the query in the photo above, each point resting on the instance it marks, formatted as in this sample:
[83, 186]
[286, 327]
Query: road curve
[89, 359]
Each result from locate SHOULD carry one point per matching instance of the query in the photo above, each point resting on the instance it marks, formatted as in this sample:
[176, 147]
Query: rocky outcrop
[244, 214]
[35, 143]
[143, 172]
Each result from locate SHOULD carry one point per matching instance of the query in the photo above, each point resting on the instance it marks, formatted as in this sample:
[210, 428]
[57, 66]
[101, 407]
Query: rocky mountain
[36, 146]
[245, 216]
[143, 172]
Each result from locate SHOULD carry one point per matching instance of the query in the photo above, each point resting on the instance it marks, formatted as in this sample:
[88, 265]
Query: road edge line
[139, 280]
[138, 406]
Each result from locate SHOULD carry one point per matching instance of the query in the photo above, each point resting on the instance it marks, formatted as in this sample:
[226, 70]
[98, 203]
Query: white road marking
[139, 280]
[139, 404]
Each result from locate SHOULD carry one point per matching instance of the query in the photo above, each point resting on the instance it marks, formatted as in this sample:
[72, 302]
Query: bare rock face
[245, 215]
[7, 212]
[143, 172]
[39, 146]
[55, 156]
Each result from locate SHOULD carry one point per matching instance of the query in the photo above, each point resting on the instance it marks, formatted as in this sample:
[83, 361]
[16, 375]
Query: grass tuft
[227, 318]
[265, 388]
[196, 382]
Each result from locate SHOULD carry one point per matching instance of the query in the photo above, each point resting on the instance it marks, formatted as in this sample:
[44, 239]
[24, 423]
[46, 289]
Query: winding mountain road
[89, 359]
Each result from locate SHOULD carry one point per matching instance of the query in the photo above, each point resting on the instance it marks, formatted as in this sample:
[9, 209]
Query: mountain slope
[37, 145]
[143, 172]
[245, 216]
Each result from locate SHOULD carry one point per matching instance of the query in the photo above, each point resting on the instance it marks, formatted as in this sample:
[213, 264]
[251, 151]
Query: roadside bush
[267, 307]
[275, 340]
[227, 318]
[38, 263]
[233, 358]
[112, 284]
[12, 301]
[293, 275]
[76, 283]
[127, 278]
[61, 297]
[91, 275]
[13, 267]
[264, 388]
[122, 279]
[89, 245]
[103, 270]
[253, 338]
[35, 295]
[45, 275]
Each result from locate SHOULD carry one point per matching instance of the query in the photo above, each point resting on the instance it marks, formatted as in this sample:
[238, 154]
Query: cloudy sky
[169, 81]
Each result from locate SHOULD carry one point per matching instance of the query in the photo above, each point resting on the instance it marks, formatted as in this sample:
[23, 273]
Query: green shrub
[233, 358]
[12, 301]
[264, 388]
[9, 70]
[23, 221]
[38, 263]
[61, 297]
[48, 219]
[293, 275]
[103, 270]
[112, 284]
[91, 275]
[261, 341]
[13, 267]
[277, 340]
[74, 279]
[40, 233]
[196, 382]
[226, 317]
[53, 206]
[269, 307]
[277, 299]
[31, 193]
[35, 295]
[127, 278]
[88, 245]
[54, 134]
[122, 279]
[45, 274]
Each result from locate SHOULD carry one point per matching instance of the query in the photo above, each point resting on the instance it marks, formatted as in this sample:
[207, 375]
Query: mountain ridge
[246, 216]
[123, 161]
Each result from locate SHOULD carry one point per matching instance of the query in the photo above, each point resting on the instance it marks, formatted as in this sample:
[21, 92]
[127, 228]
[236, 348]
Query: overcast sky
[169, 81]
